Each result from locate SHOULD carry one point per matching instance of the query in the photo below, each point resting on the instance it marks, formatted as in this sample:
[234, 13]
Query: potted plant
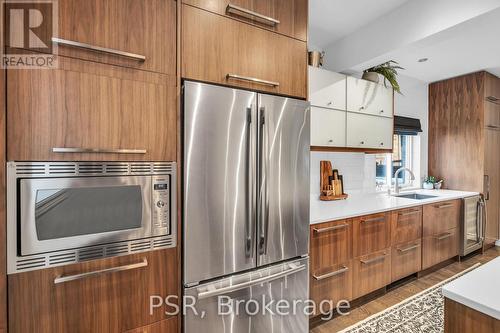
[389, 70]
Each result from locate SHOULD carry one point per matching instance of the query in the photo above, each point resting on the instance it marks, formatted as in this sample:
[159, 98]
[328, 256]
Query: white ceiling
[331, 20]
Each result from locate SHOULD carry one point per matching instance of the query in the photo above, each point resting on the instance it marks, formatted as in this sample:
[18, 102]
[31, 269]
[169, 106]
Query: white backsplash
[357, 169]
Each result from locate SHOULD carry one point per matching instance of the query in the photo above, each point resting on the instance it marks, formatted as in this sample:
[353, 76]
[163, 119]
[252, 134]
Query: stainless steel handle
[252, 79]
[375, 219]
[444, 206]
[493, 127]
[484, 221]
[293, 268]
[328, 275]
[444, 236]
[95, 48]
[263, 209]
[235, 9]
[250, 206]
[493, 99]
[413, 247]
[376, 259]
[67, 278]
[413, 212]
[337, 227]
[487, 187]
[98, 150]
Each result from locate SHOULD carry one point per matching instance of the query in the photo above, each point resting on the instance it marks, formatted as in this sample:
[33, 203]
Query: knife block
[331, 183]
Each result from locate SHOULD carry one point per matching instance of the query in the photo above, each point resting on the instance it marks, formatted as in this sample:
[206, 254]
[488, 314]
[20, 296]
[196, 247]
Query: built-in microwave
[66, 212]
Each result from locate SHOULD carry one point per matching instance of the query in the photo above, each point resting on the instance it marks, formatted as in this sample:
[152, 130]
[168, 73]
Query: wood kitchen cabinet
[406, 225]
[90, 105]
[287, 17]
[371, 233]
[218, 49]
[440, 247]
[406, 259]
[328, 127]
[441, 216]
[164, 326]
[371, 272]
[369, 98]
[142, 27]
[113, 302]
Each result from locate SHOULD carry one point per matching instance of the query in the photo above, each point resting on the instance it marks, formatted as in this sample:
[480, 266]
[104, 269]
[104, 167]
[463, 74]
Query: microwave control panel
[161, 202]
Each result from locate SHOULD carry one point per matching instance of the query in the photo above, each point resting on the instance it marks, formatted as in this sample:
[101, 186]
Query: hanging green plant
[389, 70]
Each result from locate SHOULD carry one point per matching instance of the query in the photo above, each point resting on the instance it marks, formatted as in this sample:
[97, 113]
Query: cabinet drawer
[334, 284]
[439, 247]
[90, 105]
[369, 98]
[327, 127]
[164, 326]
[327, 89]
[369, 131]
[287, 17]
[441, 216]
[406, 225]
[331, 245]
[142, 27]
[113, 302]
[218, 49]
[406, 259]
[371, 233]
[371, 272]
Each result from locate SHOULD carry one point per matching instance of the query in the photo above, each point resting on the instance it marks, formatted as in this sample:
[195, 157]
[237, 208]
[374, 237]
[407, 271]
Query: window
[403, 156]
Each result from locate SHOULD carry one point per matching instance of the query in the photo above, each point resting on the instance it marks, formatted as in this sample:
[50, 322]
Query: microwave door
[64, 213]
[219, 155]
[283, 203]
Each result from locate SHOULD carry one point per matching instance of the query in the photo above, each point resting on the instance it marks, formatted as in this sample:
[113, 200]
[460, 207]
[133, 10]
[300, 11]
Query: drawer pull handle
[413, 212]
[371, 261]
[337, 227]
[62, 278]
[493, 99]
[444, 236]
[413, 247]
[328, 275]
[444, 206]
[493, 127]
[375, 219]
[100, 49]
[252, 79]
[98, 150]
[266, 19]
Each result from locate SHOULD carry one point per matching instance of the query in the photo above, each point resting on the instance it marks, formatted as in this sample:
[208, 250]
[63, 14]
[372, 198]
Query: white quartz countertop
[478, 289]
[358, 204]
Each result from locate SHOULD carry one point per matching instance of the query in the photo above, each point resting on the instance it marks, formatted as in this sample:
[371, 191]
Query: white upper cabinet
[371, 132]
[327, 89]
[369, 98]
[327, 127]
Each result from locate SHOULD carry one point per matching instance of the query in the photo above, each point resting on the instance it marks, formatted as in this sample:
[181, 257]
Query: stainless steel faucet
[396, 174]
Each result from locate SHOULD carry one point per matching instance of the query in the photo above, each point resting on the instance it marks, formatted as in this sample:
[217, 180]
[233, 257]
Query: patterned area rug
[422, 313]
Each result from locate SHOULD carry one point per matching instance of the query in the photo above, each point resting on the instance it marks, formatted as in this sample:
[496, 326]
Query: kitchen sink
[416, 196]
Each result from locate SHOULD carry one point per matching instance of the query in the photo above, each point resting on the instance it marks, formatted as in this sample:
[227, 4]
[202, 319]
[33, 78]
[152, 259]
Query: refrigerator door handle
[211, 291]
[263, 209]
[249, 182]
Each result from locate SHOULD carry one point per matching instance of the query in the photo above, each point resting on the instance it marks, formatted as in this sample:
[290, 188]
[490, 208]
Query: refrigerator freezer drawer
[242, 300]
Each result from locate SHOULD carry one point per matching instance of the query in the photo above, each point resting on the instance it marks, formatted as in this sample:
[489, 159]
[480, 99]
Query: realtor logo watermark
[30, 26]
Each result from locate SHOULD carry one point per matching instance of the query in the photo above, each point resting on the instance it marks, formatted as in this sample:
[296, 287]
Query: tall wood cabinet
[464, 139]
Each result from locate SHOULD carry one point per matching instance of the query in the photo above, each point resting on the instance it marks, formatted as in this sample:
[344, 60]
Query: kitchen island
[472, 302]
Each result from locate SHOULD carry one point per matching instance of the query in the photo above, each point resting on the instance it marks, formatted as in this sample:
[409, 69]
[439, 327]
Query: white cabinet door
[327, 89]
[369, 98]
[327, 127]
[366, 131]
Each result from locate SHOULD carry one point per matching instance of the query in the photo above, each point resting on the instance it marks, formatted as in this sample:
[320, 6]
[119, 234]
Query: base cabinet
[439, 247]
[113, 302]
[371, 272]
[406, 259]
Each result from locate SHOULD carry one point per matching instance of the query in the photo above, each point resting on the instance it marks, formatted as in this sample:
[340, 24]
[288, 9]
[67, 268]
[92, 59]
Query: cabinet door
[220, 50]
[327, 89]
[406, 225]
[492, 186]
[164, 326]
[369, 98]
[113, 302]
[331, 245]
[492, 115]
[365, 131]
[439, 247]
[87, 105]
[327, 127]
[287, 17]
[371, 272]
[406, 259]
[371, 233]
[441, 216]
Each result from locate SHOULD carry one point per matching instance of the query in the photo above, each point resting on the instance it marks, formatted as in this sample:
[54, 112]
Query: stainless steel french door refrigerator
[246, 208]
